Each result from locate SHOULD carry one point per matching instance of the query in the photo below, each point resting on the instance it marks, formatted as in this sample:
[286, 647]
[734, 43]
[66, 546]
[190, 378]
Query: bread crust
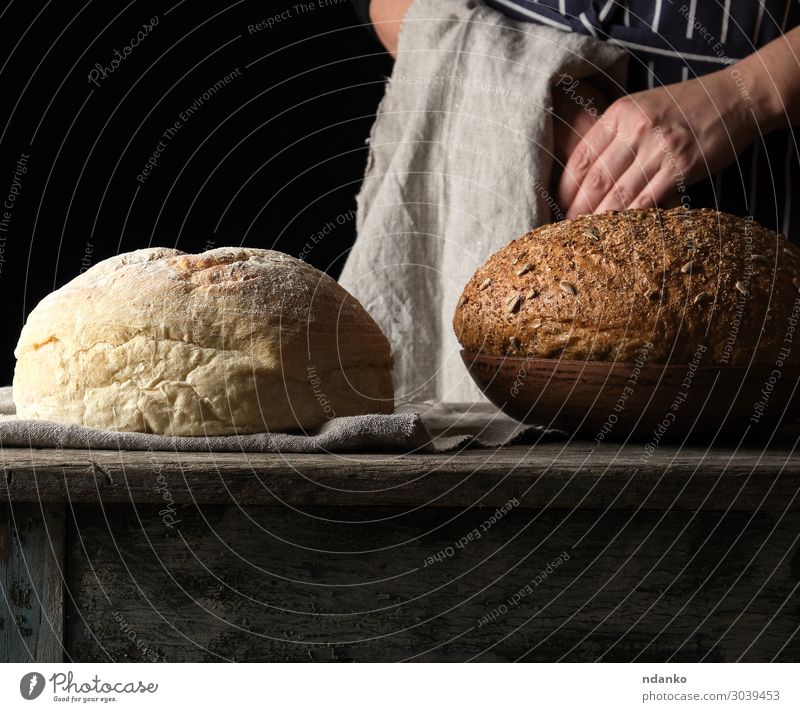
[609, 287]
[233, 340]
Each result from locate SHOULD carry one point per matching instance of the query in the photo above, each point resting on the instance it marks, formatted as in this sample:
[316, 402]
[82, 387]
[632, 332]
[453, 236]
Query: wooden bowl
[650, 402]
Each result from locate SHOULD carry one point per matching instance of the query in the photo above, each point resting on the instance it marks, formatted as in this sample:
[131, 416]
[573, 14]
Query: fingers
[630, 185]
[661, 190]
[601, 179]
[575, 110]
[567, 134]
[581, 160]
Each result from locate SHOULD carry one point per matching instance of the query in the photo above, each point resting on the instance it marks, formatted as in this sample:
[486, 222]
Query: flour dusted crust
[600, 287]
[232, 340]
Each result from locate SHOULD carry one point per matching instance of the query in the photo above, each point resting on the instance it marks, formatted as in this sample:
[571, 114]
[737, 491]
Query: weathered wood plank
[563, 475]
[31, 583]
[265, 584]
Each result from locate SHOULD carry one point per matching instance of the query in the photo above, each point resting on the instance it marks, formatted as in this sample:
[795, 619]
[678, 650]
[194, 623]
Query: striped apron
[674, 40]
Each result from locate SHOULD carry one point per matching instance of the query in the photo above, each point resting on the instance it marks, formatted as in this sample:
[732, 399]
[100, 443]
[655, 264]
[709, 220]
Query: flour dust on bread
[232, 340]
[610, 287]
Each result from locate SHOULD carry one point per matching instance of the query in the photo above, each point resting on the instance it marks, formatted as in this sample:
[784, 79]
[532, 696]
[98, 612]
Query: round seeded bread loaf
[600, 287]
[229, 341]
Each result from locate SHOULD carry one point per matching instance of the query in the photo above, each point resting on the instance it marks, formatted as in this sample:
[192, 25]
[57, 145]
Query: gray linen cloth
[425, 427]
[460, 164]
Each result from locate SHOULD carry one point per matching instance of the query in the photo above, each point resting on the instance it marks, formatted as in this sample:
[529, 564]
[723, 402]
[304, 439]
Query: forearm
[769, 79]
[387, 18]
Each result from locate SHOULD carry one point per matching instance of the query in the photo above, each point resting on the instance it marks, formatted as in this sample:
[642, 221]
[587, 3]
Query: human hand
[649, 146]
[577, 105]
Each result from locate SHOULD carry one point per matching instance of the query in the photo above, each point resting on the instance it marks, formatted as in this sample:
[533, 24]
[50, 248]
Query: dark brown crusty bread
[600, 287]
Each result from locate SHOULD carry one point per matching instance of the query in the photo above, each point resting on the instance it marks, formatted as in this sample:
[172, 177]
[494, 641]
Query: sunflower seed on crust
[652, 294]
[702, 298]
[741, 288]
[759, 259]
[514, 343]
[512, 303]
[485, 284]
[568, 289]
[591, 233]
[531, 294]
[527, 267]
[689, 267]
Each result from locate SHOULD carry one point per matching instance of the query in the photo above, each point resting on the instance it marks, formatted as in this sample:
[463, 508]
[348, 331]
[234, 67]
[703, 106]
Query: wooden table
[562, 551]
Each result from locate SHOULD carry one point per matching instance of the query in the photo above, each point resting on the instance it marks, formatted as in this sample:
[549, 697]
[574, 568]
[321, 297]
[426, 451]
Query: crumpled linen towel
[425, 427]
[460, 164]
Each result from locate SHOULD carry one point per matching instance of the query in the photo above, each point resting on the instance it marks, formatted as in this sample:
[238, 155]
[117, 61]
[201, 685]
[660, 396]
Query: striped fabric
[674, 40]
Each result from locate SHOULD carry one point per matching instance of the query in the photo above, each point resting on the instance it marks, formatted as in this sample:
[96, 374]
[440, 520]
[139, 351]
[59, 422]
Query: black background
[270, 160]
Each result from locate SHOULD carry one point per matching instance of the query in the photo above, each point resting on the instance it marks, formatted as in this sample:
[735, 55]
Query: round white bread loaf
[232, 340]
